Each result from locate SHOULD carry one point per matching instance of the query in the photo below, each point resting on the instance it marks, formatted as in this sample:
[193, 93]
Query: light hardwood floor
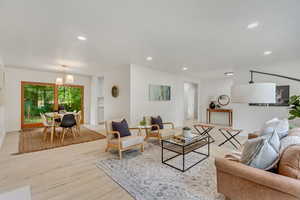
[64, 173]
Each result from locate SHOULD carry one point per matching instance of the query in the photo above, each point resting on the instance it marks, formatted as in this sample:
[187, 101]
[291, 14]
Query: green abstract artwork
[159, 93]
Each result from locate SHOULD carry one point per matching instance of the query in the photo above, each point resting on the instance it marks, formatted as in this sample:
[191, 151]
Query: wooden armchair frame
[118, 146]
[156, 133]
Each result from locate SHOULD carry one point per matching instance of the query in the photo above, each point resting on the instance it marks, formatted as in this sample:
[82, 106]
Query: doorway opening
[190, 101]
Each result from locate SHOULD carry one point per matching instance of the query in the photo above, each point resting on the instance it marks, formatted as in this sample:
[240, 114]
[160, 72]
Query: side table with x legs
[203, 129]
[230, 135]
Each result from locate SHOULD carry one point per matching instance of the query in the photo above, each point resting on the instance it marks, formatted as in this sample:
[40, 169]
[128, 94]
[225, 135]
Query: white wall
[93, 112]
[251, 118]
[212, 89]
[2, 127]
[141, 78]
[116, 108]
[2, 102]
[14, 76]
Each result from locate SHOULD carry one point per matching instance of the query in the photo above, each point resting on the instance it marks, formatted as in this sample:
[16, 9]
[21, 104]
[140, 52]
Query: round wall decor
[115, 91]
[224, 100]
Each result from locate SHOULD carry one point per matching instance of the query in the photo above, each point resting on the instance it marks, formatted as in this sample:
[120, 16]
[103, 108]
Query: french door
[39, 98]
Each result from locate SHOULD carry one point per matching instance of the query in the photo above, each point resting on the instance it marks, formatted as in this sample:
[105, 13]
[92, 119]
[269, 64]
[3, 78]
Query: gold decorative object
[115, 91]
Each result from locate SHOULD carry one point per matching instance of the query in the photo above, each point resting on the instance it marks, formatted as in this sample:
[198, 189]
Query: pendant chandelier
[66, 78]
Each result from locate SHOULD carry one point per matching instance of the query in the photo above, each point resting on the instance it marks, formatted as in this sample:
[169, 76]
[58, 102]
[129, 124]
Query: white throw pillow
[281, 127]
[262, 152]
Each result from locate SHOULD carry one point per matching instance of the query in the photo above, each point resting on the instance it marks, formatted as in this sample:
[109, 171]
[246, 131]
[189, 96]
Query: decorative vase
[212, 105]
[187, 133]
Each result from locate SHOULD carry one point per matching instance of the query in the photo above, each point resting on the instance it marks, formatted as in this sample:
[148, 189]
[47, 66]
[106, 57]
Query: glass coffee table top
[184, 141]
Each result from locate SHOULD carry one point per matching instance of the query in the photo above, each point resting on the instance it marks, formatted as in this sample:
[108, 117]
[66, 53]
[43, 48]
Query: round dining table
[55, 115]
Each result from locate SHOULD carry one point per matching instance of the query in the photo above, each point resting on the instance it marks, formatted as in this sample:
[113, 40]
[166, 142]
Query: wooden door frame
[55, 88]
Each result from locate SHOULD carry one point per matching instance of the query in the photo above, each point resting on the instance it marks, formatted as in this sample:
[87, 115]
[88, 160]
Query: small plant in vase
[143, 122]
[294, 107]
[187, 131]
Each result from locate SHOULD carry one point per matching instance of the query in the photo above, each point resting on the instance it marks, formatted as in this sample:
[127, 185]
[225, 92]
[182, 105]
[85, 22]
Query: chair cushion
[262, 152]
[68, 121]
[121, 127]
[129, 141]
[289, 164]
[158, 121]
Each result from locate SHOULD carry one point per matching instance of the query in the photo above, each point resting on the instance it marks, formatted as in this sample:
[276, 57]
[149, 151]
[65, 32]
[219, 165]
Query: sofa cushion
[281, 127]
[289, 164]
[121, 127]
[262, 152]
[294, 132]
[158, 121]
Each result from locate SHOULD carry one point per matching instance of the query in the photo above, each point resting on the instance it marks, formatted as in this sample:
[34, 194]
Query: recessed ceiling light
[228, 73]
[253, 25]
[267, 53]
[185, 68]
[81, 38]
[149, 58]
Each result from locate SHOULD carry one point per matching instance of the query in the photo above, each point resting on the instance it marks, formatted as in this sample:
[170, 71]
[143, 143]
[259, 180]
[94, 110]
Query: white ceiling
[200, 34]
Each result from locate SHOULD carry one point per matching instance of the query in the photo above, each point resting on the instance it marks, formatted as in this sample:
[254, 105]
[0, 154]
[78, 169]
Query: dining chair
[68, 122]
[46, 125]
[78, 121]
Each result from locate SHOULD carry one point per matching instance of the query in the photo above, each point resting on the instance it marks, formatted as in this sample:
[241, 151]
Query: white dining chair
[46, 125]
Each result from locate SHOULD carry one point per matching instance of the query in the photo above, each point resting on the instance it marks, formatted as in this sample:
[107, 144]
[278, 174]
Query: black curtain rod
[277, 75]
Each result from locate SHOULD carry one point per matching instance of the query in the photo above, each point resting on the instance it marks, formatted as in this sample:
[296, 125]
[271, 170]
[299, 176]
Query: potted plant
[143, 122]
[187, 131]
[294, 109]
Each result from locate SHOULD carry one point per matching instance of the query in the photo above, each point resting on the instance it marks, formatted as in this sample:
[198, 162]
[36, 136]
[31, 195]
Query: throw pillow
[158, 121]
[262, 152]
[281, 127]
[121, 127]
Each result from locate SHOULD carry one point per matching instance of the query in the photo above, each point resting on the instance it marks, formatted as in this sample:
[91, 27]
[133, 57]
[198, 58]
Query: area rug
[31, 140]
[144, 177]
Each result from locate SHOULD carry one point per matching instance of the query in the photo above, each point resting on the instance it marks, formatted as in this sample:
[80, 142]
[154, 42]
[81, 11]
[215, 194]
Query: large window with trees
[70, 97]
[46, 97]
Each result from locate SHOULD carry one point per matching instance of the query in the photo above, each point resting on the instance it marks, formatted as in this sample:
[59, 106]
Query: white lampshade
[59, 81]
[254, 93]
[69, 78]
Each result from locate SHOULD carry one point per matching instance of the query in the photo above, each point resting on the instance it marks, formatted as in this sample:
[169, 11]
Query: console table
[229, 111]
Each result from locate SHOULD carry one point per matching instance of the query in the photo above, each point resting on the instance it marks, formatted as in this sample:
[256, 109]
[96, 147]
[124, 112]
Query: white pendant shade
[59, 81]
[69, 78]
[254, 93]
